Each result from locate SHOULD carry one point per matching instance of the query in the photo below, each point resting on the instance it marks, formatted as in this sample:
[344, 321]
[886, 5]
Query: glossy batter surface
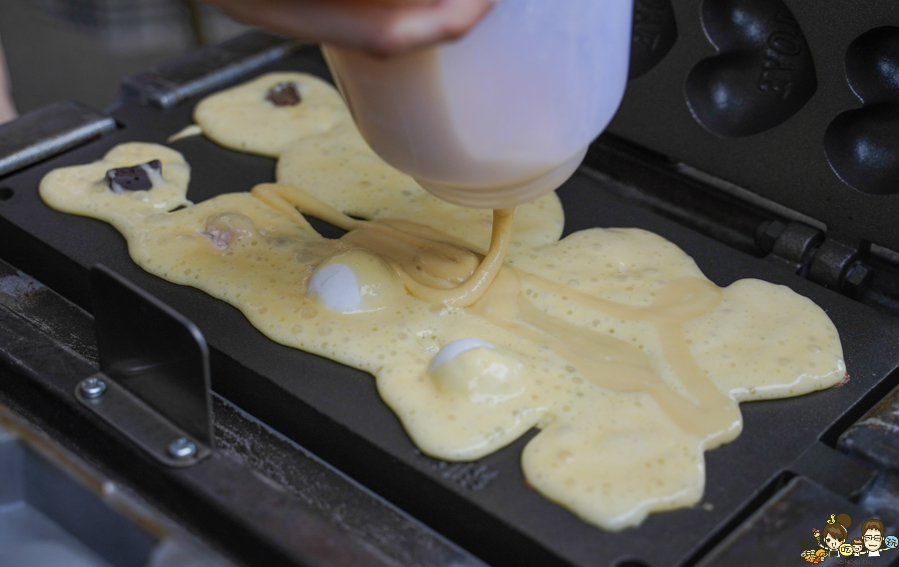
[611, 341]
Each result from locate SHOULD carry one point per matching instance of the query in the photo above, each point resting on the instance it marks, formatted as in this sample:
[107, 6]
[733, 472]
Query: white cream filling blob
[477, 370]
[354, 280]
[452, 349]
[336, 288]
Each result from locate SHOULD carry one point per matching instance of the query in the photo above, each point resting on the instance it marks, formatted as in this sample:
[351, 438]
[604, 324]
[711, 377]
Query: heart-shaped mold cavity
[654, 34]
[763, 73]
[862, 145]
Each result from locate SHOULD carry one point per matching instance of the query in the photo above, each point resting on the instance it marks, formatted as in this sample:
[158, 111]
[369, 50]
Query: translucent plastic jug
[503, 115]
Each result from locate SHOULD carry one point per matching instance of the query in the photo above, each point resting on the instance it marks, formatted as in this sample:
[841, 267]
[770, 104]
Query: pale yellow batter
[242, 119]
[611, 341]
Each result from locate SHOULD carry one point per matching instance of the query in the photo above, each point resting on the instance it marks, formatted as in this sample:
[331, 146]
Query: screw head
[182, 448]
[857, 274]
[92, 388]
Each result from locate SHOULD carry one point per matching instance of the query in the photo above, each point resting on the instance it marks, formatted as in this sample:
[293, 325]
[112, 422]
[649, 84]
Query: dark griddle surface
[790, 158]
[335, 411]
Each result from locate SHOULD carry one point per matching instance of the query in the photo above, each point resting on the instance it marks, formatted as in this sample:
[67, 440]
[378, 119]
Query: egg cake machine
[305, 464]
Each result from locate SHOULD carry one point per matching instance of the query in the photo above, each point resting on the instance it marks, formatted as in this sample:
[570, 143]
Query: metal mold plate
[335, 411]
[792, 160]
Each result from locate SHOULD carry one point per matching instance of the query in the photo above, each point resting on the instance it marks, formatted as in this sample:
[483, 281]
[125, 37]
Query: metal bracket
[154, 384]
[789, 243]
[834, 470]
[206, 69]
[49, 131]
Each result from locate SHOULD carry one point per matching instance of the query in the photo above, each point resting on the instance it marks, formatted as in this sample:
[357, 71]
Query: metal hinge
[809, 253]
[746, 221]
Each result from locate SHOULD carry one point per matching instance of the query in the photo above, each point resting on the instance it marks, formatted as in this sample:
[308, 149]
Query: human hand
[7, 107]
[380, 27]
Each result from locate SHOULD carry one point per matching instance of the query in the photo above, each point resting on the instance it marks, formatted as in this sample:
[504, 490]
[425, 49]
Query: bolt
[92, 388]
[182, 448]
[857, 277]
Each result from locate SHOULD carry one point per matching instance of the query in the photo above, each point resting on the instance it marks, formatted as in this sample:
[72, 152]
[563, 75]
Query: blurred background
[82, 49]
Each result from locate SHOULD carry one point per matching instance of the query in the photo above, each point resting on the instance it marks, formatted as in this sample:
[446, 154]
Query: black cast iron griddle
[335, 411]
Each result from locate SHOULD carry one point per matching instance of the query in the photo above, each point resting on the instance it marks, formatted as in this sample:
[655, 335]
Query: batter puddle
[611, 341]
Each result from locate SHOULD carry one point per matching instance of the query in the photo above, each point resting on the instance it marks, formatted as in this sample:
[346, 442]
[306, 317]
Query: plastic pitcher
[502, 115]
